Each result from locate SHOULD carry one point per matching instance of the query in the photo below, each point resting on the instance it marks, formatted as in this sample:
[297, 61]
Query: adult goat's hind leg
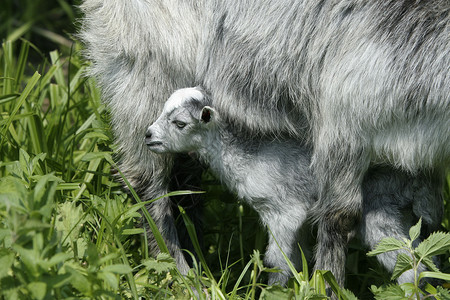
[393, 202]
[384, 223]
[339, 168]
[382, 219]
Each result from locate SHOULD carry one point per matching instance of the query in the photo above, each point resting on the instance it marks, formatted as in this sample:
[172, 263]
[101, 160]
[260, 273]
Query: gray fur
[365, 82]
[274, 178]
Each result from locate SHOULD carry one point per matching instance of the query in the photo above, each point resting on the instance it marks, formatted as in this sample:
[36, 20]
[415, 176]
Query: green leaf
[414, 232]
[306, 291]
[118, 269]
[67, 186]
[17, 33]
[69, 220]
[8, 98]
[24, 159]
[437, 275]
[92, 256]
[443, 294]
[403, 264]
[430, 289]
[37, 289]
[59, 75]
[437, 243]
[277, 292]
[318, 282]
[21, 63]
[346, 294]
[35, 163]
[58, 258]
[305, 272]
[428, 262]
[6, 261]
[96, 156]
[162, 264]
[98, 135]
[36, 134]
[23, 96]
[193, 235]
[409, 288]
[78, 280]
[391, 292]
[256, 259]
[5, 234]
[59, 280]
[110, 278]
[239, 280]
[107, 258]
[29, 258]
[343, 294]
[387, 245]
[133, 231]
[41, 189]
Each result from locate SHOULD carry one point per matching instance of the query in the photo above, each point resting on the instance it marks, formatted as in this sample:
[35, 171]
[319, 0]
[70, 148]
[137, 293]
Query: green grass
[67, 229]
[46, 22]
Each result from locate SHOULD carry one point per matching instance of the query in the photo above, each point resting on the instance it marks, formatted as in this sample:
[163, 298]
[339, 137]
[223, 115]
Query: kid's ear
[207, 114]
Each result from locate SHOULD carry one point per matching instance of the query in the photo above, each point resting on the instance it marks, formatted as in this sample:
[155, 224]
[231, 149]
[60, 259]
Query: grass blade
[28, 88]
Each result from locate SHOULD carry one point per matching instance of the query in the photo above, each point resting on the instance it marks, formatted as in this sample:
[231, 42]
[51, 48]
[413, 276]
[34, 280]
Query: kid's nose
[148, 136]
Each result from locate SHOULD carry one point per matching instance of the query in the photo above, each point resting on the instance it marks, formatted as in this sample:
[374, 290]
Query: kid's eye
[179, 124]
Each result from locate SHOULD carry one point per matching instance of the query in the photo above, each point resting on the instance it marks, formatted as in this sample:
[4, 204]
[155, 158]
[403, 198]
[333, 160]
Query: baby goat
[262, 173]
[273, 177]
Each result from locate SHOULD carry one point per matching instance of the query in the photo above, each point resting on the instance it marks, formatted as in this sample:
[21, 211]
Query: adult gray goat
[366, 83]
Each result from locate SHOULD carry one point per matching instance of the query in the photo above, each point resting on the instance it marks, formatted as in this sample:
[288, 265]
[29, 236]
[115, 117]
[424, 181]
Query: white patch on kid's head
[180, 96]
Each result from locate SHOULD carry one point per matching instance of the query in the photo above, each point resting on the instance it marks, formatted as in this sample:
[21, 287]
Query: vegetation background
[67, 229]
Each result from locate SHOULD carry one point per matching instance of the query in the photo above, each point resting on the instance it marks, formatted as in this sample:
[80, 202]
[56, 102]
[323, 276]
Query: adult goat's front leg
[154, 183]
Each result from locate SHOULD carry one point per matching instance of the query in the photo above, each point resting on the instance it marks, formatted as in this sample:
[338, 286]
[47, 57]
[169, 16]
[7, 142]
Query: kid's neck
[225, 154]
